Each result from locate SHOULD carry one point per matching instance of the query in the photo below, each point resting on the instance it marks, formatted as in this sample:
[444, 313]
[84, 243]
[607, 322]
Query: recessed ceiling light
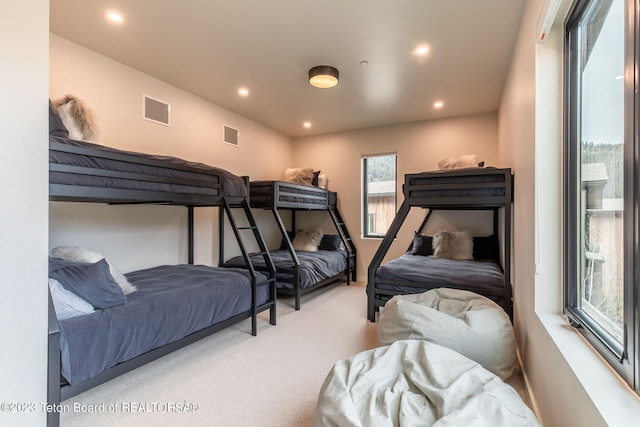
[307, 124]
[438, 104]
[243, 91]
[421, 50]
[115, 17]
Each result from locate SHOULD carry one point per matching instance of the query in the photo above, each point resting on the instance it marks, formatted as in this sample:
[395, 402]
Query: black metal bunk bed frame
[471, 189]
[295, 197]
[57, 392]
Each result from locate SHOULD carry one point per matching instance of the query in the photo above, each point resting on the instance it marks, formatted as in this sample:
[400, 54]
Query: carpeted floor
[234, 379]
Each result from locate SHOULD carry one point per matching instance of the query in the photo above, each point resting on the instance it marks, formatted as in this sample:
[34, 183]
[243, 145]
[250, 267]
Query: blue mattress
[315, 266]
[171, 302]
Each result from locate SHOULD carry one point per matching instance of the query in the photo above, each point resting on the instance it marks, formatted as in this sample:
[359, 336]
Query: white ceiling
[212, 47]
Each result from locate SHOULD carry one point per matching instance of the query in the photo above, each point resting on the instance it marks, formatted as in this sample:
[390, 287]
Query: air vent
[155, 110]
[230, 135]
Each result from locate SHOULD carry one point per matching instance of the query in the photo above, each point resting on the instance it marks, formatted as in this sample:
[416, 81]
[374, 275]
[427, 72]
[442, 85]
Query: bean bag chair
[468, 323]
[417, 383]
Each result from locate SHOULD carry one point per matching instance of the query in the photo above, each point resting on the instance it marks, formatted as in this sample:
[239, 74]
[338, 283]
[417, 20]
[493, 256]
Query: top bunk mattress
[469, 187]
[79, 169]
[281, 194]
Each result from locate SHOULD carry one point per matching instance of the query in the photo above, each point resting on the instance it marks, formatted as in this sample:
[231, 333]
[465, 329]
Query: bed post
[508, 304]
[221, 214]
[190, 233]
[379, 255]
[53, 366]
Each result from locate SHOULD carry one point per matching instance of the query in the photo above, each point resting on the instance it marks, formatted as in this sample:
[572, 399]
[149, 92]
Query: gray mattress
[161, 173]
[314, 266]
[171, 302]
[484, 276]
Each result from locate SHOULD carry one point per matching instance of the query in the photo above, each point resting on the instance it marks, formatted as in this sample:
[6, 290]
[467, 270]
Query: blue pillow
[330, 242]
[91, 282]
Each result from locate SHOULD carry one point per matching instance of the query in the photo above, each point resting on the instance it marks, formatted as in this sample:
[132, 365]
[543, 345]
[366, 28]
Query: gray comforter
[168, 176]
[314, 266]
[171, 302]
[484, 276]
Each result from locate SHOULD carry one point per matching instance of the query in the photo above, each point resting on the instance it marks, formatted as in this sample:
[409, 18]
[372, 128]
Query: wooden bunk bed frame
[280, 195]
[56, 390]
[487, 189]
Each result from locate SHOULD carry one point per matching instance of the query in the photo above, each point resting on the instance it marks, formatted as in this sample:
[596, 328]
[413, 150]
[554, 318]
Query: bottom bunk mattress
[482, 276]
[315, 266]
[172, 301]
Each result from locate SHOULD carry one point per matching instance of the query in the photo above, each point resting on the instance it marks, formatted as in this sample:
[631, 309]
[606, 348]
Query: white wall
[569, 382]
[23, 217]
[153, 235]
[419, 147]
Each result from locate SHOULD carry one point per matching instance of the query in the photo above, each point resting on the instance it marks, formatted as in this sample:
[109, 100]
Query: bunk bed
[174, 305]
[298, 272]
[416, 271]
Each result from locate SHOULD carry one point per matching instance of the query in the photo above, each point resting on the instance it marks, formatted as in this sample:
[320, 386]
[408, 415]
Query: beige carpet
[234, 379]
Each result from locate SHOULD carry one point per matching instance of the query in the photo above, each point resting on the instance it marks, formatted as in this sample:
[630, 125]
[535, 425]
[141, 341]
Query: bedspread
[485, 276]
[314, 266]
[171, 302]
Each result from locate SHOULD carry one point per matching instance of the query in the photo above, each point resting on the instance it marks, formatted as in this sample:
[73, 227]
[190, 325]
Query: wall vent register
[230, 135]
[155, 110]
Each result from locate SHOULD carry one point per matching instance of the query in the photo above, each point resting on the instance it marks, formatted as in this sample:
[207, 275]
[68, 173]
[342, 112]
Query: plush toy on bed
[466, 161]
[307, 240]
[77, 117]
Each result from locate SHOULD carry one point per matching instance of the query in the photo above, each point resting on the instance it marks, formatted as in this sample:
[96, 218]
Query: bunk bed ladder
[348, 242]
[228, 209]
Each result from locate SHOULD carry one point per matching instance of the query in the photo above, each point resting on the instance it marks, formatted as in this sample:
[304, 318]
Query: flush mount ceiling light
[323, 76]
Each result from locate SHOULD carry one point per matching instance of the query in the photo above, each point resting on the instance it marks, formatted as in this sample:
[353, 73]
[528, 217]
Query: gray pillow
[422, 245]
[56, 126]
[91, 282]
[330, 242]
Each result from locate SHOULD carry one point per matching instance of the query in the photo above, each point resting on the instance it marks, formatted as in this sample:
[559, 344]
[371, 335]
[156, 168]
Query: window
[601, 293]
[379, 194]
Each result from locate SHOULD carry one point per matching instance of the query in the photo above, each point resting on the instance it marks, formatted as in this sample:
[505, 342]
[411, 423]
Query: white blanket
[417, 383]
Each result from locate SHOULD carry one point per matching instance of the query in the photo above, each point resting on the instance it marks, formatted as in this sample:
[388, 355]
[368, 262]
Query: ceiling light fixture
[438, 104]
[243, 91]
[115, 17]
[323, 77]
[422, 50]
[307, 125]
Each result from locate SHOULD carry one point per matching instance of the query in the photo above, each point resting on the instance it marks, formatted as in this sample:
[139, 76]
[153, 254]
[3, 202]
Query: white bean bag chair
[417, 383]
[463, 321]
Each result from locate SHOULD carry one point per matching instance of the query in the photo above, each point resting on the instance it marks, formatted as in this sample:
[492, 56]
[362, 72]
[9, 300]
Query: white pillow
[77, 118]
[457, 245]
[307, 240]
[66, 303]
[302, 176]
[80, 254]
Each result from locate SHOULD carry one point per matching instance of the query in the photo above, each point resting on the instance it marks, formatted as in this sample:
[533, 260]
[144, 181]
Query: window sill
[610, 395]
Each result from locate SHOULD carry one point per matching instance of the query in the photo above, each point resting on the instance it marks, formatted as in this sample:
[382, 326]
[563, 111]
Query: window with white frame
[379, 193]
[601, 200]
